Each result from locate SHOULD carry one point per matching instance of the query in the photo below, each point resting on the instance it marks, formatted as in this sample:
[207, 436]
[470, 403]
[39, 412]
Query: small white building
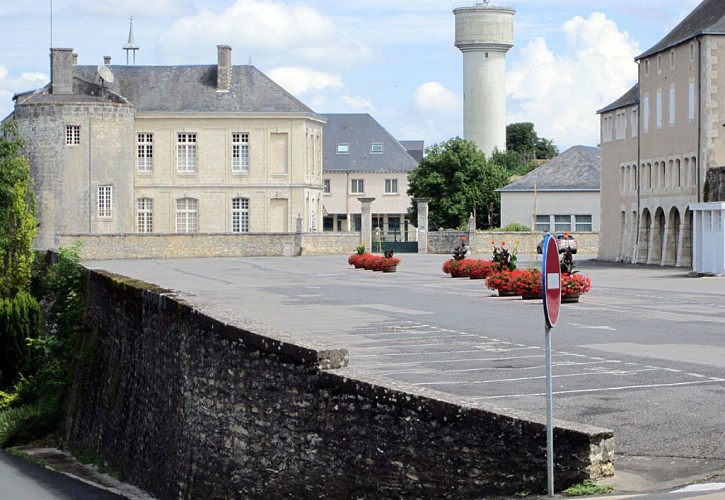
[560, 195]
[708, 241]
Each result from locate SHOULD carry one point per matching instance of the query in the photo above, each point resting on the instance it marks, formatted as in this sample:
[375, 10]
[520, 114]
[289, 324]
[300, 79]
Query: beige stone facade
[217, 149]
[659, 141]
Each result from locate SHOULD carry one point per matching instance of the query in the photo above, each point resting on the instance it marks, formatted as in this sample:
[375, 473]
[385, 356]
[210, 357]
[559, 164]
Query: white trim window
[145, 215]
[357, 186]
[240, 152]
[607, 127]
[240, 215]
[645, 118]
[187, 215]
[326, 186]
[343, 149]
[72, 135]
[391, 186]
[186, 152]
[672, 105]
[583, 223]
[691, 100]
[659, 108]
[620, 125]
[376, 148]
[105, 201]
[145, 151]
[635, 121]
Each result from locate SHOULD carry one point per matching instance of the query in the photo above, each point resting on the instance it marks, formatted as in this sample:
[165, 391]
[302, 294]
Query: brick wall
[187, 407]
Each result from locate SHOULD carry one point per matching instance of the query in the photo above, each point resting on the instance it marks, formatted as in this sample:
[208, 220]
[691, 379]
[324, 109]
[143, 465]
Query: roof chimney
[107, 60]
[224, 68]
[61, 71]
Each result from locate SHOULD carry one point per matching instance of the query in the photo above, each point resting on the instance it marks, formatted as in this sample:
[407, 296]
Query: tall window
[240, 152]
[72, 135]
[105, 201]
[186, 152]
[607, 127]
[240, 215]
[645, 118]
[691, 100]
[357, 186]
[145, 215]
[635, 121]
[620, 125]
[145, 152]
[187, 215]
[672, 105]
[326, 186]
[391, 186]
[659, 108]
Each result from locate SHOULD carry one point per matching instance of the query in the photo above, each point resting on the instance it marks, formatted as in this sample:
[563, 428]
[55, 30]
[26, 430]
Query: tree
[522, 138]
[458, 180]
[18, 225]
[19, 311]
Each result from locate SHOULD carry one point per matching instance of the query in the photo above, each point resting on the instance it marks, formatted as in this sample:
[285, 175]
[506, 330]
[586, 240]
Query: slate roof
[576, 169]
[182, 89]
[630, 98]
[416, 149]
[360, 131]
[708, 18]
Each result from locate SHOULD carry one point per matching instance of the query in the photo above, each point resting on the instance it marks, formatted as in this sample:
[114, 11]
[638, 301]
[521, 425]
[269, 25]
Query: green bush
[515, 227]
[25, 424]
[19, 320]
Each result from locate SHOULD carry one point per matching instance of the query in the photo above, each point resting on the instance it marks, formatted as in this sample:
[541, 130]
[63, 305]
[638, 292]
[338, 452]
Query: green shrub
[515, 227]
[19, 320]
[26, 424]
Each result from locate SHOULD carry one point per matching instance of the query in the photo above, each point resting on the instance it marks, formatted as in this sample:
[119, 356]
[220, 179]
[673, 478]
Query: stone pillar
[298, 237]
[366, 223]
[422, 224]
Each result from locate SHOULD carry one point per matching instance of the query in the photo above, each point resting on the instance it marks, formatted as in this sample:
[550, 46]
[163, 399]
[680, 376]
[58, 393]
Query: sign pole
[551, 293]
[549, 415]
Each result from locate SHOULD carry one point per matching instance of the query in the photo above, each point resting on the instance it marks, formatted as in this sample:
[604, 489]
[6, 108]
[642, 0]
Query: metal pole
[549, 416]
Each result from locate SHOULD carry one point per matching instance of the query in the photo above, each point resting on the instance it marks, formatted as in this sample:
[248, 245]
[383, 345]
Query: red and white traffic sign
[551, 280]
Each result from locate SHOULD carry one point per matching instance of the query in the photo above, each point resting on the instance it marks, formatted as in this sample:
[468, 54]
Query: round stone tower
[484, 33]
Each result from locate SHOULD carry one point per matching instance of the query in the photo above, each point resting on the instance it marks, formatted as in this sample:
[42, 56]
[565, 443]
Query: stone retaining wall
[445, 241]
[187, 407]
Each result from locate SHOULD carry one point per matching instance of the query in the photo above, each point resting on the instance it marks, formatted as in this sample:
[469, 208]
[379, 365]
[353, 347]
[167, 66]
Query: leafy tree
[512, 162]
[458, 180]
[522, 138]
[17, 214]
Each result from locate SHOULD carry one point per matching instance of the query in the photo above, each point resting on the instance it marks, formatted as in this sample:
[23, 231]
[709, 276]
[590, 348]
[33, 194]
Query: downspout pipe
[699, 118]
[638, 179]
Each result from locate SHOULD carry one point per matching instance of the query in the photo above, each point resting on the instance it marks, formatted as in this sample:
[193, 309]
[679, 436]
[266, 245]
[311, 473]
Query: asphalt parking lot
[643, 353]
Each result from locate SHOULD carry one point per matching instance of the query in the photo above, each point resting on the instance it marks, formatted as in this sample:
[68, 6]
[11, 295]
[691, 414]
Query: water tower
[484, 33]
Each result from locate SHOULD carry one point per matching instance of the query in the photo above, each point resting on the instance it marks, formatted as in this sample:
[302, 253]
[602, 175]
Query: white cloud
[560, 93]
[274, 30]
[433, 98]
[10, 86]
[357, 104]
[298, 80]
[156, 8]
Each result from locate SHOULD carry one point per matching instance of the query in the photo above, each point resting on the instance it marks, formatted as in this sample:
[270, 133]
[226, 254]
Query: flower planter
[390, 269]
[570, 298]
[530, 296]
[507, 293]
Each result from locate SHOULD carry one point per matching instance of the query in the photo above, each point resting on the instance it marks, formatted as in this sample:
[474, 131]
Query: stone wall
[715, 184]
[445, 241]
[173, 246]
[187, 407]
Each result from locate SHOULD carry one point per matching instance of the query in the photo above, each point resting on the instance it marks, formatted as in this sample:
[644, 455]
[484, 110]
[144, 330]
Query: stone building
[210, 149]
[361, 159]
[662, 144]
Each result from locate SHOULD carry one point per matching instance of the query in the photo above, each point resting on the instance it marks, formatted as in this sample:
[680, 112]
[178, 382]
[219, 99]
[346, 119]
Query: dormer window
[343, 149]
[376, 147]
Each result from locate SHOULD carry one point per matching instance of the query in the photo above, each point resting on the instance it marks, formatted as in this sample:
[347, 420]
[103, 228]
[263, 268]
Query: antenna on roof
[131, 45]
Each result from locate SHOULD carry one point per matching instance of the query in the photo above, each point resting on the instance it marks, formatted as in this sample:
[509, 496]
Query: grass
[27, 457]
[587, 488]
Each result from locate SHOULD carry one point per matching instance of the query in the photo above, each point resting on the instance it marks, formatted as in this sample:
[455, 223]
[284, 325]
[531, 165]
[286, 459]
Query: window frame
[391, 186]
[186, 163]
[189, 223]
[144, 215]
[357, 186]
[145, 151]
[104, 201]
[240, 215]
[376, 148]
[343, 148]
[72, 135]
[240, 152]
[326, 186]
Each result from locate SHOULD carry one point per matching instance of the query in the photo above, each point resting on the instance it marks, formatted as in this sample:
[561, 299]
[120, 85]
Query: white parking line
[605, 389]
[521, 379]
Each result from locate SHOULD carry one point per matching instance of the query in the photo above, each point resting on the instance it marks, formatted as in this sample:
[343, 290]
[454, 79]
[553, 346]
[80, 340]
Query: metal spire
[131, 45]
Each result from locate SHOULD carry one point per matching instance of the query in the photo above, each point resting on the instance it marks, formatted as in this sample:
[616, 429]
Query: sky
[393, 59]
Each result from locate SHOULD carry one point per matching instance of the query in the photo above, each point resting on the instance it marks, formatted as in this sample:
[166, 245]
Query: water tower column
[484, 33]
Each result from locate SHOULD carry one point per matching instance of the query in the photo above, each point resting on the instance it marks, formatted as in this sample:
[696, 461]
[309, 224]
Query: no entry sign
[551, 280]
